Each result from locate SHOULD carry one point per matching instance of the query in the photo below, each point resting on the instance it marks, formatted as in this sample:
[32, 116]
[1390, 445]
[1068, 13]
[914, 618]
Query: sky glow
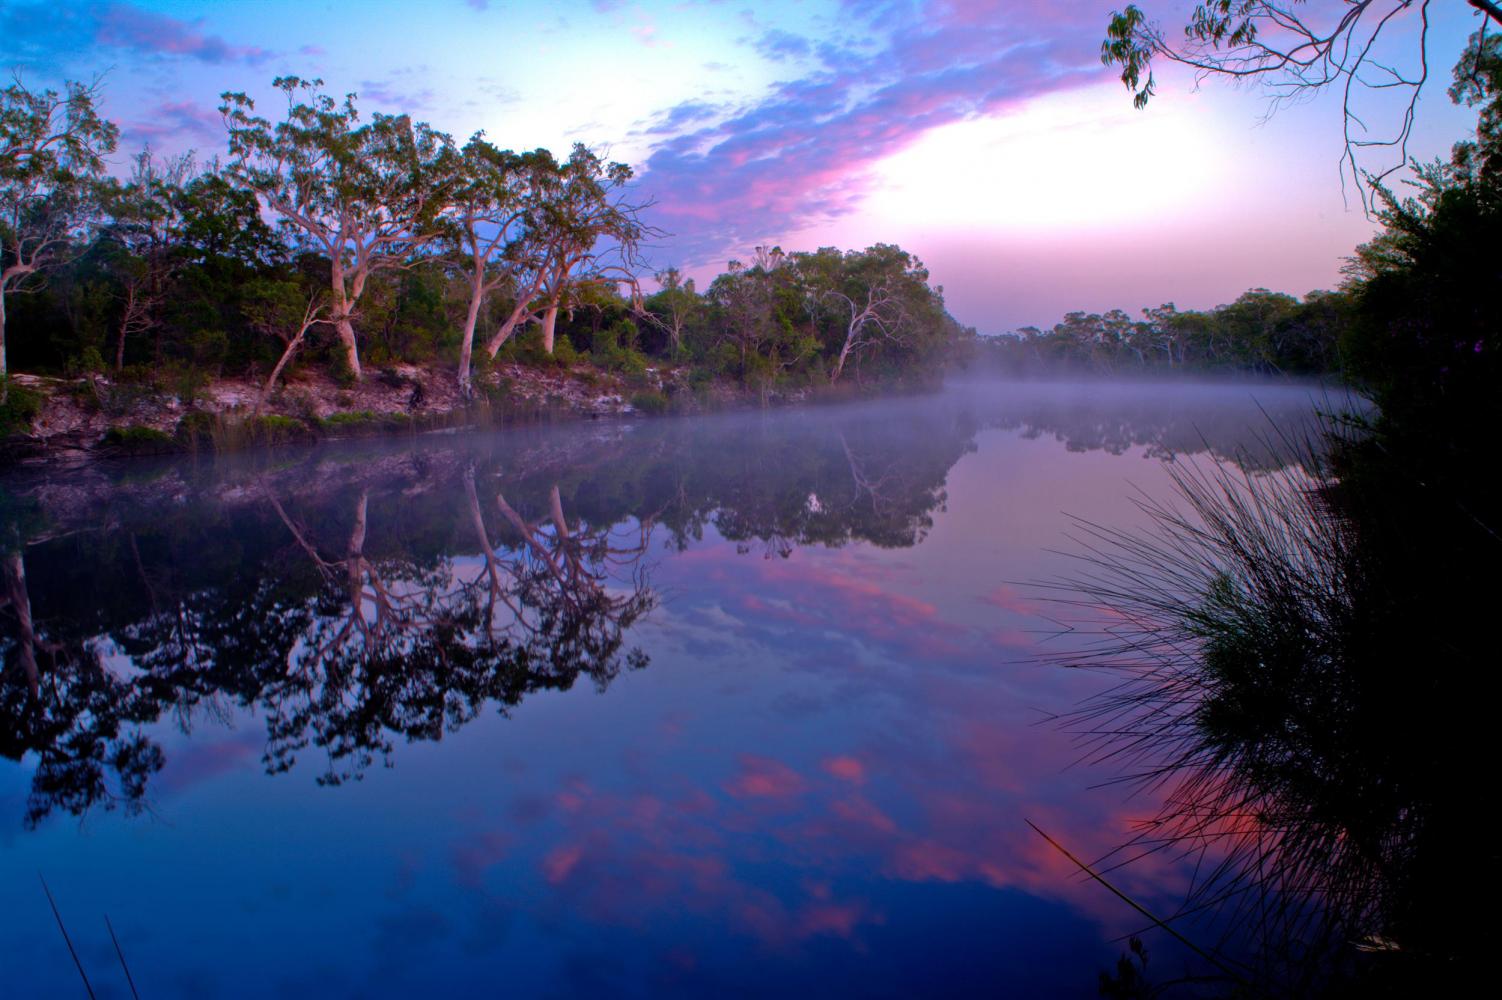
[983, 136]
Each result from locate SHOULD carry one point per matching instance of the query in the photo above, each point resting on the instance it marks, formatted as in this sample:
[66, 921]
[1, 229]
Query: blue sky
[984, 136]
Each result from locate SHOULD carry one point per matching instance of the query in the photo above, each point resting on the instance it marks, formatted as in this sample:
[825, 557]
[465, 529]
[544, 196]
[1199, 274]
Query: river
[746, 704]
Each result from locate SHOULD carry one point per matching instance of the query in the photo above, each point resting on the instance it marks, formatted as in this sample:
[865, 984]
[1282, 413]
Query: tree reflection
[373, 595]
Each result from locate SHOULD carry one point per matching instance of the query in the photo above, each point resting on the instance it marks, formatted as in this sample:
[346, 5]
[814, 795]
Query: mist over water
[748, 703]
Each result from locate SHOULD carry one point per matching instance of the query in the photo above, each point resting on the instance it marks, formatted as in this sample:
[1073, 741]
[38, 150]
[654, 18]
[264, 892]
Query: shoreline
[82, 420]
[85, 420]
[91, 418]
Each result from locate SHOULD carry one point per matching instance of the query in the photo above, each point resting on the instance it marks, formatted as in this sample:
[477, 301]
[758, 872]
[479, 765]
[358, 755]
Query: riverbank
[72, 420]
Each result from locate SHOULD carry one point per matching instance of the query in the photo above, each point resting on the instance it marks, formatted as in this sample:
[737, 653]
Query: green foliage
[1262, 331]
[135, 439]
[650, 402]
[188, 282]
[52, 153]
[18, 407]
[88, 362]
[614, 352]
[197, 427]
[1130, 44]
[273, 428]
[356, 421]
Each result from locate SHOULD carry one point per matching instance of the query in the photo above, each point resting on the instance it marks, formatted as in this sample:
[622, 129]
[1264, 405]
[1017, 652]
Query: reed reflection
[1274, 641]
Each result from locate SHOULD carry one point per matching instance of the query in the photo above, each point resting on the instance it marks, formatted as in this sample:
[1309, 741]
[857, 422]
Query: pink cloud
[861, 812]
[763, 777]
[803, 155]
[646, 34]
[561, 862]
[1008, 598]
[845, 768]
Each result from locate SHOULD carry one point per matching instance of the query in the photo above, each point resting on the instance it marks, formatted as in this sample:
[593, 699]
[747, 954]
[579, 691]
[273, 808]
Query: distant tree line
[1262, 331]
[323, 238]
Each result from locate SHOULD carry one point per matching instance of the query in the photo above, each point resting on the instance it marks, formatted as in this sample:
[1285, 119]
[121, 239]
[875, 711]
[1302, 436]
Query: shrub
[357, 420]
[21, 406]
[650, 402]
[134, 439]
[196, 426]
[276, 429]
[88, 362]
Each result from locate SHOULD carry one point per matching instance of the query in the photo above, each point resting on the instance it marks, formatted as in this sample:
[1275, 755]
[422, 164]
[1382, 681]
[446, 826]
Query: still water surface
[736, 705]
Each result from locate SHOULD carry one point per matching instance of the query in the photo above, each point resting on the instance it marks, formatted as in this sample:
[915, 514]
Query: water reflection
[835, 744]
[1264, 636]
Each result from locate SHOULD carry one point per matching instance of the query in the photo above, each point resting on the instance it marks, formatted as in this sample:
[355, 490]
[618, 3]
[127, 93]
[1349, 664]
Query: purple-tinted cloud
[122, 26]
[680, 116]
[804, 154]
[174, 124]
[55, 33]
[394, 98]
[779, 45]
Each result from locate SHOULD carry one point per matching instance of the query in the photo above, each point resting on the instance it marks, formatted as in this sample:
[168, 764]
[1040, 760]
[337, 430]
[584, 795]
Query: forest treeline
[1266, 332]
[322, 238]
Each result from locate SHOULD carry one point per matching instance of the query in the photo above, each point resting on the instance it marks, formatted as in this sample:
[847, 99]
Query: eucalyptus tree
[368, 196]
[876, 294]
[742, 298]
[147, 223]
[52, 149]
[489, 214]
[286, 311]
[586, 231]
[1295, 49]
[675, 307]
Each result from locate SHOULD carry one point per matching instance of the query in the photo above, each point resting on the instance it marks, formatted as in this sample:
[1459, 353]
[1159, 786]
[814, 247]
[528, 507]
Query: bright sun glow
[1081, 160]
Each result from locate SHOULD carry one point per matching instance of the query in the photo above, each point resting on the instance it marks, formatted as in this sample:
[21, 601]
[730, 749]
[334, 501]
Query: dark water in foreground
[747, 704]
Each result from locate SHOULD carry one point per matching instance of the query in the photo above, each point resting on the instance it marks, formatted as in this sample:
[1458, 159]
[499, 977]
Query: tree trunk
[276, 372]
[125, 321]
[839, 365]
[493, 345]
[467, 338]
[355, 559]
[343, 306]
[4, 371]
[351, 352]
[20, 601]
[549, 323]
[555, 510]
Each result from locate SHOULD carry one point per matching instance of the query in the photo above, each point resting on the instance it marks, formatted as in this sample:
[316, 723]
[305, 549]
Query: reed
[1259, 658]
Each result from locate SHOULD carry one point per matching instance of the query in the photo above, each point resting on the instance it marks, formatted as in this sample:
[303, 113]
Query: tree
[878, 294]
[586, 232]
[675, 307]
[146, 229]
[284, 310]
[743, 298]
[367, 196]
[1295, 52]
[52, 149]
[489, 212]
